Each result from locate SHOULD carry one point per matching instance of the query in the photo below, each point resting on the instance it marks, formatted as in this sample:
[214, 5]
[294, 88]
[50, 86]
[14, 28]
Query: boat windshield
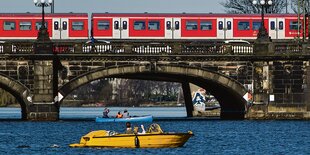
[112, 133]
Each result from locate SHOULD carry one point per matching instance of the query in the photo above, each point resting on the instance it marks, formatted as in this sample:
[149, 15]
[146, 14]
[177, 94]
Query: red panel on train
[141, 27]
[102, 27]
[198, 27]
[247, 27]
[79, 27]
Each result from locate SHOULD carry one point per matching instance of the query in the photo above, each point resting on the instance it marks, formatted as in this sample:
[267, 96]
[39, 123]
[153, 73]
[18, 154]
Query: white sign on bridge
[199, 101]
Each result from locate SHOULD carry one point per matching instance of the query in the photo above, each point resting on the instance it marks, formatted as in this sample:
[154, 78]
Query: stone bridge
[275, 73]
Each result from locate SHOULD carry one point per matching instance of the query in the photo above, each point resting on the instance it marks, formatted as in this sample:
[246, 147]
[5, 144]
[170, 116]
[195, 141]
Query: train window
[124, 25]
[256, 25]
[243, 25]
[191, 25]
[139, 25]
[103, 25]
[153, 25]
[177, 25]
[229, 25]
[25, 25]
[56, 25]
[272, 25]
[38, 25]
[77, 26]
[64, 25]
[293, 25]
[221, 25]
[8, 25]
[116, 25]
[168, 25]
[281, 25]
[205, 25]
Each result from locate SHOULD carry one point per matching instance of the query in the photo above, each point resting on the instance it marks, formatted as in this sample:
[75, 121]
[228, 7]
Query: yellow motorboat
[151, 139]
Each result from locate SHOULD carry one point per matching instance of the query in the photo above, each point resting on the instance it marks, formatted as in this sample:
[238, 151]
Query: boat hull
[147, 118]
[148, 140]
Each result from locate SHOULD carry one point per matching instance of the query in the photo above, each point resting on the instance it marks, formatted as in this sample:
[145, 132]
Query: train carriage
[60, 26]
[193, 26]
[151, 26]
[129, 26]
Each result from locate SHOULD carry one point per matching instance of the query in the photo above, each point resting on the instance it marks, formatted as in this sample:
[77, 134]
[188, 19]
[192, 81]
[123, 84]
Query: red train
[60, 26]
[150, 26]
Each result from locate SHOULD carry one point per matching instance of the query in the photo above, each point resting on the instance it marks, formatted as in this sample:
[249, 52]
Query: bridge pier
[188, 99]
[43, 107]
[43, 112]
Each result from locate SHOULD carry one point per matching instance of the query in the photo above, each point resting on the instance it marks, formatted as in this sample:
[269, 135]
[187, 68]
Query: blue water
[211, 137]
[92, 112]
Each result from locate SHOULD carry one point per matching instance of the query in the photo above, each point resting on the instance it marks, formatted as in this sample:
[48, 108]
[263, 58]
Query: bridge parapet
[159, 48]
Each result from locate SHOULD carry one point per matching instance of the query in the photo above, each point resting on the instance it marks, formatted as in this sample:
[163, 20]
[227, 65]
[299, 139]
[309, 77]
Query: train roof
[46, 15]
[186, 15]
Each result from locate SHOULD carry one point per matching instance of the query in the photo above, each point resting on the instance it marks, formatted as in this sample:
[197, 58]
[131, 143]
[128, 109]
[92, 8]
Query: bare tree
[247, 7]
[303, 6]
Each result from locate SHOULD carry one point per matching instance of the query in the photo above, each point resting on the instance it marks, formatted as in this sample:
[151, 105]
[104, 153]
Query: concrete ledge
[278, 116]
[286, 115]
[43, 116]
[42, 112]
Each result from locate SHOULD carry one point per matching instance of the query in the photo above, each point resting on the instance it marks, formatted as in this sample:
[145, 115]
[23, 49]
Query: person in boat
[155, 128]
[128, 128]
[143, 130]
[126, 114]
[119, 115]
[106, 112]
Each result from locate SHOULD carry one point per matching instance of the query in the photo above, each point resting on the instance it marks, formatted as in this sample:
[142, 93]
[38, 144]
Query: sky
[117, 6]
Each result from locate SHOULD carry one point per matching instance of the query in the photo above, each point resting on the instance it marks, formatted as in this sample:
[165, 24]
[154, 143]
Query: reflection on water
[92, 112]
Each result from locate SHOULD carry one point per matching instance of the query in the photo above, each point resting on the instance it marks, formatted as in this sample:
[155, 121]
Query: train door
[276, 28]
[176, 28]
[124, 28]
[281, 27]
[116, 28]
[273, 28]
[60, 28]
[224, 28]
[168, 28]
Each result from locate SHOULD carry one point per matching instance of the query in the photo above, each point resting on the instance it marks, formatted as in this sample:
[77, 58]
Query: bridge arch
[18, 90]
[228, 91]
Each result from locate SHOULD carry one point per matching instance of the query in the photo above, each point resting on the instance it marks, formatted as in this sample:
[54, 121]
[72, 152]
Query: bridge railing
[19, 47]
[168, 48]
[288, 48]
[152, 48]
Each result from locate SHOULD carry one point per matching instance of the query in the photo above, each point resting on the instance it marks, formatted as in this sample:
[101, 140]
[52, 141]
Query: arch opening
[12, 98]
[224, 89]
[139, 97]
